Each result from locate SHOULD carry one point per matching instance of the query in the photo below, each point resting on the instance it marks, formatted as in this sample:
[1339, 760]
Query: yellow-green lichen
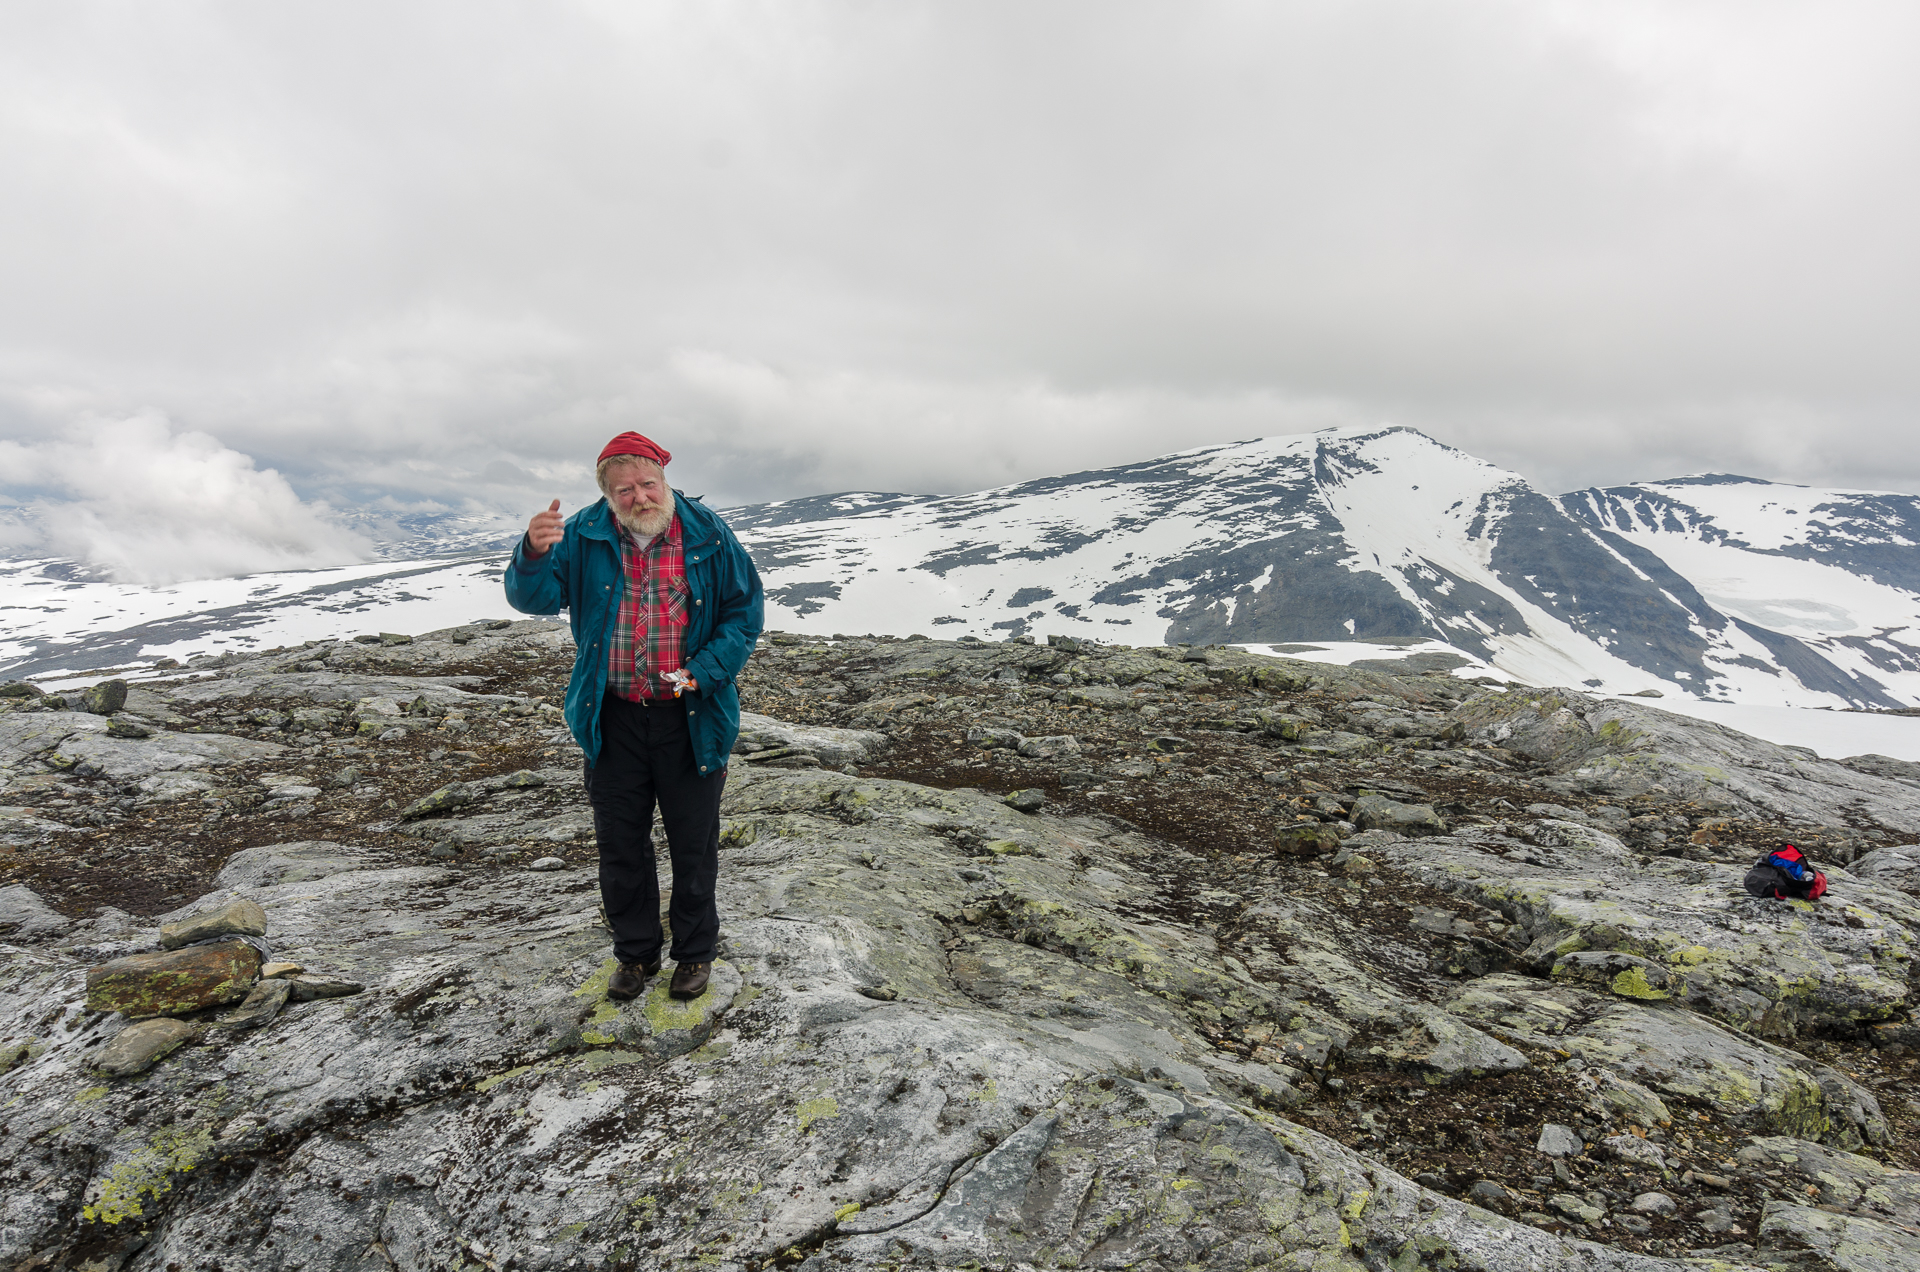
[595, 985]
[667, 1014]
[1633, 983]
[91, 1094]
[593, 1029]
[148, 1173]
[487, 1084]
[595, 1061]
[817, 1109]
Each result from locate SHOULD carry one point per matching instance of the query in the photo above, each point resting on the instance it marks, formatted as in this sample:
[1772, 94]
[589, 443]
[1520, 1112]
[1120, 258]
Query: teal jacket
[725, 612]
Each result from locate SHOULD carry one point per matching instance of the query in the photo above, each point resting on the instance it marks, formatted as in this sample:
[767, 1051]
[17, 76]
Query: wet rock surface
[1033, 956]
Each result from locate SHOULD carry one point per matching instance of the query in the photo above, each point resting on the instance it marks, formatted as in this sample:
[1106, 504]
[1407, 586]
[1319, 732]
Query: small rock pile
[208, 960]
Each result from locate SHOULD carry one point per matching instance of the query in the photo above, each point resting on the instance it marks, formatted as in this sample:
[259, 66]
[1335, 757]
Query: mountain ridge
[1342, 534]
[1715, 585]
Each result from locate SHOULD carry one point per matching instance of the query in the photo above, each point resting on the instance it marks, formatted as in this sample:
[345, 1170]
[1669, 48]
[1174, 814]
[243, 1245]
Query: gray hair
[611, 462]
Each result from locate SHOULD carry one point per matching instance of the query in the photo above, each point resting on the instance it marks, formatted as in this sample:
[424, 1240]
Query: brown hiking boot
[629, 979]
[690, 980]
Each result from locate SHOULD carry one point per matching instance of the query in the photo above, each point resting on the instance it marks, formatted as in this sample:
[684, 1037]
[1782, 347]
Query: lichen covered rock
[174, 982]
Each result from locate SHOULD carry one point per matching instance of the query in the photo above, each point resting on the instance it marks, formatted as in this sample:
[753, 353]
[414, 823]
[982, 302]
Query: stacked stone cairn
[209, 960]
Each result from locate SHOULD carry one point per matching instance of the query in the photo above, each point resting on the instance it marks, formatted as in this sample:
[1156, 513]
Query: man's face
[640, 498]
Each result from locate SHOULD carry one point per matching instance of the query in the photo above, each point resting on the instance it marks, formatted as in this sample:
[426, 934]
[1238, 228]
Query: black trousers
[646, 758]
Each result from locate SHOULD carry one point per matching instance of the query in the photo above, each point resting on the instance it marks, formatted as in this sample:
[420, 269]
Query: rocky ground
[1035, 955]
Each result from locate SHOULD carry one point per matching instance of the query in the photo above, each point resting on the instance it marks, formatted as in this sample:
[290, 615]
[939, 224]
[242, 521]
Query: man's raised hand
[546, 529]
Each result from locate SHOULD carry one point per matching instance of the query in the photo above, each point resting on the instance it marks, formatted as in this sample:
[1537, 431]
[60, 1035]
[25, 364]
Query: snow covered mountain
[1834, 574]
[1345, 534]
[1330, 544]
[53, 618]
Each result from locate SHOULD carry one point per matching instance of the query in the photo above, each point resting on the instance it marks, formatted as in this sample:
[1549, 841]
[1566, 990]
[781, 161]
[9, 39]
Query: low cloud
[747, 427]
[141, 503]
[814, 247]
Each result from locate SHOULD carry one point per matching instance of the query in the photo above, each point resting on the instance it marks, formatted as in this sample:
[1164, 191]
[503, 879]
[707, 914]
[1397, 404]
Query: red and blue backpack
[1786, 873]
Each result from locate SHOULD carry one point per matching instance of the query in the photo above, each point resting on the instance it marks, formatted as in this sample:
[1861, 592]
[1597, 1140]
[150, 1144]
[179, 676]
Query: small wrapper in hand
[680, 680]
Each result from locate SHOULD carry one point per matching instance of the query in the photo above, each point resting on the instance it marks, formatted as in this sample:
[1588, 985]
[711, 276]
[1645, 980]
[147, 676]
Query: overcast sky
[432, 255]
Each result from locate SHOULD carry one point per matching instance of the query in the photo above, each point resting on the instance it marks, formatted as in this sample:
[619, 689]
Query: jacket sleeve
[537, 585]
[737, 623]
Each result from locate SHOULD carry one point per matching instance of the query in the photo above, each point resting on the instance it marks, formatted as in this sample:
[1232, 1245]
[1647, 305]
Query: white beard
[646, 523]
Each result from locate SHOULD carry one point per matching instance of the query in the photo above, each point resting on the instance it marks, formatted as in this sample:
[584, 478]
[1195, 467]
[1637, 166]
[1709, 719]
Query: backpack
[1786, 873]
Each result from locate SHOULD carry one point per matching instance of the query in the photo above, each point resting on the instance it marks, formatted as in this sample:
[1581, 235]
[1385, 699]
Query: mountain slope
[1829, 574]
[50, 621]
[1722, 588]
[1341, 534]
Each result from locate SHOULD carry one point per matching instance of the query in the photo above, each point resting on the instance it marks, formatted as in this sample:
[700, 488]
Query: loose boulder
[305, 989]
[1377, 812]
[1287, 728]
[1031, 800]
[1306, 839]
[449, 797]
[1631, 1148]
[1559, 1141]
[174, 982]
[105, 698]
[836, 747]
[262, 1003]
[140, 1046]
[238, 917]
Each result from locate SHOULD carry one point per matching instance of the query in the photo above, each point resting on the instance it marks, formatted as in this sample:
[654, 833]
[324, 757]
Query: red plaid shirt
[650, 632]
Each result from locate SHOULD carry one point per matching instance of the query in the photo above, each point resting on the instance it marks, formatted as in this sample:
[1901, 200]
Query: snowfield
[1836, 569]
[1365, 544]
[50, 622]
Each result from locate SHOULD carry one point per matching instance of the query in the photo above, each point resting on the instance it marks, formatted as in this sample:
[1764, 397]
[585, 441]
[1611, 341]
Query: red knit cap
[634, 444]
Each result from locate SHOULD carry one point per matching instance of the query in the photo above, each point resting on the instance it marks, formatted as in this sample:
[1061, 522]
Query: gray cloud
[404, 255]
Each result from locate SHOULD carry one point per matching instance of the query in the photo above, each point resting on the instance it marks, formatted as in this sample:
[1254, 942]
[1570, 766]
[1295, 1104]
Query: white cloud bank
[433, 256]
[143, 504]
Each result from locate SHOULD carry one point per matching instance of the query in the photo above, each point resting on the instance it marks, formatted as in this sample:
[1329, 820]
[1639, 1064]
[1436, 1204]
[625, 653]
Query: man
[665, 606]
